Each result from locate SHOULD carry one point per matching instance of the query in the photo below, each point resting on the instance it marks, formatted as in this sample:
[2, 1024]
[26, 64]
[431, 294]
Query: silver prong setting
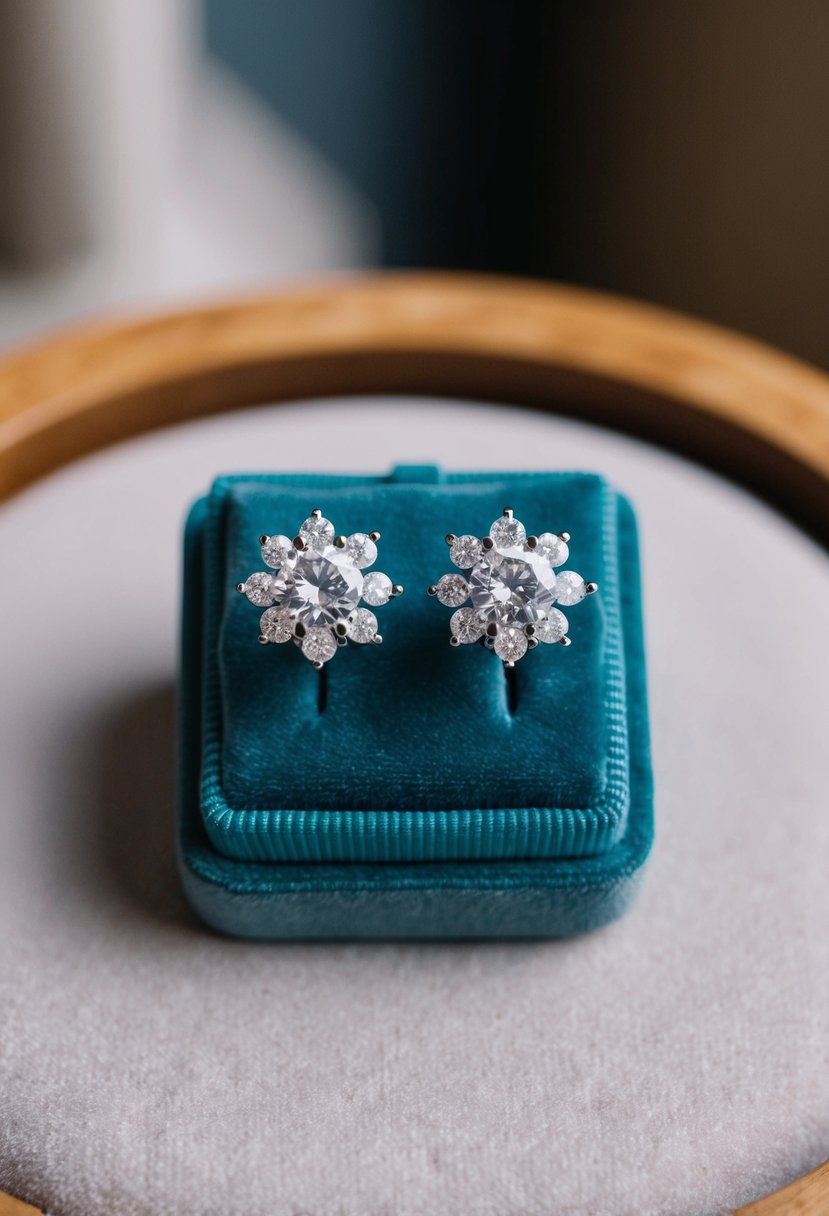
[314, 592]
[515, 587]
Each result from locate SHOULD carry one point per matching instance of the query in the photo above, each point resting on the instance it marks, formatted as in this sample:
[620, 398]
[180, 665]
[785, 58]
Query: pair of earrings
[314, 588]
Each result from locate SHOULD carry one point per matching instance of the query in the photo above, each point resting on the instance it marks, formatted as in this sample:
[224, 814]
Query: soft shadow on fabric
[121, 762]
[113, 837]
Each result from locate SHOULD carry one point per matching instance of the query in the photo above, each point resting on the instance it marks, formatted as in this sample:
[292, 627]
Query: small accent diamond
[276, 625]
[452, 590]
[553, 548]
[361, 549]
[319, 645]
[466, 625]
[317, 533]
[263, 589]
[570, 588]
[377, 588]
[278, 552]
[465, 551]
[362, 625]
[510, 644]
[552, 627]
[508, 532]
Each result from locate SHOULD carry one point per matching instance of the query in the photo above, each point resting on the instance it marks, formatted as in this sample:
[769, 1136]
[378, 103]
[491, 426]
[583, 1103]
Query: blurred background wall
[156, 150]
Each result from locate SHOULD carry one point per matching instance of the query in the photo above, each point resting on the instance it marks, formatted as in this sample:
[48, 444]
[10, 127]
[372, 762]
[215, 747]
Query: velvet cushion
[420, 752]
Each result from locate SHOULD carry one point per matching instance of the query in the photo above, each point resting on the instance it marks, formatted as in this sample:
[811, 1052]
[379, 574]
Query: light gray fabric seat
[672, 1063]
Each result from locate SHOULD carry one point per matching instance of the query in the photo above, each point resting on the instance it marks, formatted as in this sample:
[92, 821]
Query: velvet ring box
[416, 791]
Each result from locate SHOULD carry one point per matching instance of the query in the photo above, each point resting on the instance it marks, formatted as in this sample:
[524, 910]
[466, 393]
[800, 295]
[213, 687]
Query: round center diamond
[516, 584]
[323, 587]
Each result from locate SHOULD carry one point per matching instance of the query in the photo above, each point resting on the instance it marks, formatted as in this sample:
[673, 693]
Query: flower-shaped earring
[312, 591]
[513, 587]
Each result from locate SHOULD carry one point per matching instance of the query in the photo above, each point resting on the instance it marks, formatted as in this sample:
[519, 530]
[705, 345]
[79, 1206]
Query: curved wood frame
[759, 416]
[734, 404]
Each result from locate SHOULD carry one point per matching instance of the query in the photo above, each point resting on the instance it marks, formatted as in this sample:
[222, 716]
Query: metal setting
[506, 591]
[317, 590]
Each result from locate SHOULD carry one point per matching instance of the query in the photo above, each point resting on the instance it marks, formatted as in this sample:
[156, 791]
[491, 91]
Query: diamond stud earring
[312, 590]
[513, 588]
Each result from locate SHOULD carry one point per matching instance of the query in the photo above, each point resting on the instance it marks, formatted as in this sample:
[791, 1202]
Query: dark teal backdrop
[672, 151]
[434, 110]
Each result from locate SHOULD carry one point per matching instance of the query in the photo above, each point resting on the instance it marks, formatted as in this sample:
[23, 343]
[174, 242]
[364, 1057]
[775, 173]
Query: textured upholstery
[671, 1064]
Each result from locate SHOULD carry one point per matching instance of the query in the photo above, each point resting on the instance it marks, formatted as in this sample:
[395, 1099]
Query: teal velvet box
[428, 798]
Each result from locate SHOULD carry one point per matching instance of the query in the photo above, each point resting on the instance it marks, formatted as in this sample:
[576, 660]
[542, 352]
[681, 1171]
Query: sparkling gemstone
[362, 625]
[319, 645]
[361, 549]
[276, 625]
[317, 533]
[554, 548]
[569, 588]
[279, 552]
[510, 644]
[323, 587]
[376, 588]
[508, 533]
[466, 625]
[263, 589]
[453, 589]
[465, 551]
[516, 585]
[552, 627]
